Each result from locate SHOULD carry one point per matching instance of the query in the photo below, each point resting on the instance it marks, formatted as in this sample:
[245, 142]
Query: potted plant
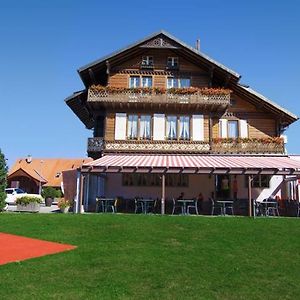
[29, 203]
[64, 205]
[49, 193]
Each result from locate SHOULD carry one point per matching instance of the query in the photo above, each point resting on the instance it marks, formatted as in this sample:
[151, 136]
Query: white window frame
[171, 60]
[237, 128]
[147, 85]
[178, 79]
[137, 127]
[135, 81]
[147, 60]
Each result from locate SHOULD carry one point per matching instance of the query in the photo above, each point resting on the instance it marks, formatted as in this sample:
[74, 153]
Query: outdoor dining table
[184, 204]
[146, 203]
[265, 205]
[223, 205]
[104, 202]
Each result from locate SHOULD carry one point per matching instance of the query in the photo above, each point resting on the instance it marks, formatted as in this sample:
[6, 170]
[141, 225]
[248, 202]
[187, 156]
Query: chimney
[198, 45]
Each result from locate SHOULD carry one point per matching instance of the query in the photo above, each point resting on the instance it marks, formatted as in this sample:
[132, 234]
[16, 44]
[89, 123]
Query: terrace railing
[98, 144]
[160, 97]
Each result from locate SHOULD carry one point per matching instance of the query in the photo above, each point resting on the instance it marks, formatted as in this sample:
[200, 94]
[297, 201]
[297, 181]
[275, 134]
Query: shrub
[3, 177]
[51, 192]
[28, 199]
[63, 203]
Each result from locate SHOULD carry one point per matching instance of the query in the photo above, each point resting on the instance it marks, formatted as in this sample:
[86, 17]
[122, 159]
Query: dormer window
[147, 62]
[172, 63]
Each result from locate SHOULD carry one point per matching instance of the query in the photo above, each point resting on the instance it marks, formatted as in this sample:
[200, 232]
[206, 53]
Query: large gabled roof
[77, 101]
[199, 54]
[267, 102]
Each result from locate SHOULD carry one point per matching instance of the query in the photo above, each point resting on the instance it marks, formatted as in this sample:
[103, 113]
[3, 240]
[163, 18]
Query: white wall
[197, 184]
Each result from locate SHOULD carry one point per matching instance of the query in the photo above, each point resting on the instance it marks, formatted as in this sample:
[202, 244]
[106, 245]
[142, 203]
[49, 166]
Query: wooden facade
[114, 87]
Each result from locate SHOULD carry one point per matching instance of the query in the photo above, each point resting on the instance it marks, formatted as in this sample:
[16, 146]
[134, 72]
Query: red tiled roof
[49, 171]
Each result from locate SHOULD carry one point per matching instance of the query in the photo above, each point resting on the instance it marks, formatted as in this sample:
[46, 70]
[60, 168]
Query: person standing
[235, 188]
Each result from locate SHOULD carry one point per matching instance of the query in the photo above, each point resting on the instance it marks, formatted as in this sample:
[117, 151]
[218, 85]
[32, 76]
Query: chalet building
[167, 119]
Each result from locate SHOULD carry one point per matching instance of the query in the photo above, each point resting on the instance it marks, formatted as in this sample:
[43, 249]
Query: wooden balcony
[248, 146]
[205, 98]
[255, 146]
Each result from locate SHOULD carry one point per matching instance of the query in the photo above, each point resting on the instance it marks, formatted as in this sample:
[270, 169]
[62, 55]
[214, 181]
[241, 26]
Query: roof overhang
[77, 103]
[194, 164]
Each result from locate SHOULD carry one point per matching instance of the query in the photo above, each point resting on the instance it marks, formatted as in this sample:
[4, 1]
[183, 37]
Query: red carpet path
[15, 248]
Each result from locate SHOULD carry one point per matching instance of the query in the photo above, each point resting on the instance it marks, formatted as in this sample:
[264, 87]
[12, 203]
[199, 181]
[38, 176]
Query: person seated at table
[181, 196]
[199, 201]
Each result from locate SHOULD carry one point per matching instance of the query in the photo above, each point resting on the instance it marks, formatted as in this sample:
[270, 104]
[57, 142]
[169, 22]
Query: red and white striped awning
[197, 164]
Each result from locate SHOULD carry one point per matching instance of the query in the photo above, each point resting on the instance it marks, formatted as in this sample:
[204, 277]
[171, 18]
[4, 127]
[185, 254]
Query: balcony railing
[254, 146]
[217, 97]
[249, 146]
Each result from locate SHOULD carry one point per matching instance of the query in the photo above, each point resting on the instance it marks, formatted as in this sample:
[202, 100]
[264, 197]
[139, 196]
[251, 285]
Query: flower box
[30, 207]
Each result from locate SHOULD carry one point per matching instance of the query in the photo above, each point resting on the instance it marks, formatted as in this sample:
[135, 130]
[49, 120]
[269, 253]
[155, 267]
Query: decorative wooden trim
[159, 42]
[141, 97]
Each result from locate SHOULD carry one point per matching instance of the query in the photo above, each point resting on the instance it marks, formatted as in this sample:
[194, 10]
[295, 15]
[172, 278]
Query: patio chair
[272, 209]
[193, 206]
[229, 206]
[214, 206]
[111, 204]
[151, 206]
[138, 205]
[176, 205]
[100, 205]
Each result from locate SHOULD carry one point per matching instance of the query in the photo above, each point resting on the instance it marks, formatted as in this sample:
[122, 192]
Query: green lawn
[154, 257]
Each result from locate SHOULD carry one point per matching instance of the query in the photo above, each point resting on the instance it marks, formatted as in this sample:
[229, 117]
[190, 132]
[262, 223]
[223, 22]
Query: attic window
[172, 63]
[57, 174]
[147, 62]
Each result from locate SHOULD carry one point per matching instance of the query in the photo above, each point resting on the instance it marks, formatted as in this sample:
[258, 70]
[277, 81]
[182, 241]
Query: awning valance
[194, 164]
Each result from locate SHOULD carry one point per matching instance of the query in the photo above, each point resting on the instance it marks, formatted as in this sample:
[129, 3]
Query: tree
[3, 178]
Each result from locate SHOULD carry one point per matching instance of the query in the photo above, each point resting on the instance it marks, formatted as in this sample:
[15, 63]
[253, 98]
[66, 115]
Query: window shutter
[159, 127]
[120, 126]
[243, 129]
[223, 128]
[198, 128]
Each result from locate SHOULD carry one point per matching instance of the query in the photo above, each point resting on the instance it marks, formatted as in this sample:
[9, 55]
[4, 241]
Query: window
[184, 127]
[147, 81]
[172, 62]
[172, 83]
[134, 81]
[145, 127]
[132, 127]
[147, 61]
[259, 181]
[171, 127]
[233, 129]
[184, 82]
[172, 180]
[178, 82]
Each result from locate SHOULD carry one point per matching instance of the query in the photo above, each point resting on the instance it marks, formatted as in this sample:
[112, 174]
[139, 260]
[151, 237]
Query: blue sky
[43, 43]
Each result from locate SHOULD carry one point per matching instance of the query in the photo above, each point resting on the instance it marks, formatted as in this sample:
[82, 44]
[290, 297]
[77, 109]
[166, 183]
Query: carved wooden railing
[98, 145]
[95, 144]
[250, 147]
[95, 95]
